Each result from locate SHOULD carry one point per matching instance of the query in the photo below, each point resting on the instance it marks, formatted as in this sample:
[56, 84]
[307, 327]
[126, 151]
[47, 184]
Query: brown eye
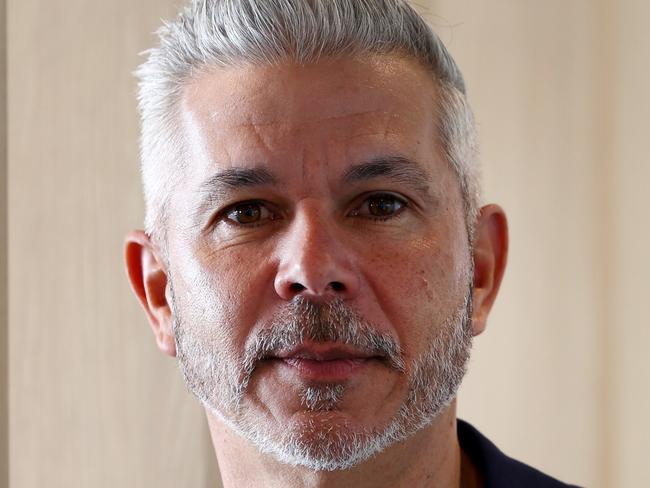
[249, 213]
[381, 206]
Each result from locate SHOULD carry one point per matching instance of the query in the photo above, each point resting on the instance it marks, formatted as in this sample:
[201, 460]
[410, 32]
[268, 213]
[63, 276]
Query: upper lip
[324, 352]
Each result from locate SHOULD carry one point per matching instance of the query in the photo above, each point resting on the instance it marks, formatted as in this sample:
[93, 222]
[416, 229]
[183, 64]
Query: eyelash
[388, 196]
[355, 213]
[261, 203]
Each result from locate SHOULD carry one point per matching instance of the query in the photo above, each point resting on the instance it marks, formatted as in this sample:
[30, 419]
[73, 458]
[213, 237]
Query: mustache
[303, 320]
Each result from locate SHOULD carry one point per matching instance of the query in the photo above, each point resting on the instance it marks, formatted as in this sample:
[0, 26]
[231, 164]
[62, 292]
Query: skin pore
[322, 182]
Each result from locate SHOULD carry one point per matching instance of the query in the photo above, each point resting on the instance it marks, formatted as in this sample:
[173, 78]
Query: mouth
[325, 362]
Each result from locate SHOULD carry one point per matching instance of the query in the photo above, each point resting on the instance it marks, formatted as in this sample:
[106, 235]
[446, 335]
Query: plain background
[560, 378]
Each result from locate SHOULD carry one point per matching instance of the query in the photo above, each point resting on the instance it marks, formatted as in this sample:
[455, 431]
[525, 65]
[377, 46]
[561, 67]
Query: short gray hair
[225, 33]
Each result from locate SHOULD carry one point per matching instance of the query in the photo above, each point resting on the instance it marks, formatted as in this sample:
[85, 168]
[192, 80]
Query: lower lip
[332, 370]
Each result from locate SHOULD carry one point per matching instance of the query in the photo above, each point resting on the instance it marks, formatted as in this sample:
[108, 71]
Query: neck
[432, 457]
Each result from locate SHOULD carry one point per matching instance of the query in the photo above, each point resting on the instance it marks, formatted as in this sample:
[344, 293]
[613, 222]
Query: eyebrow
[219, 185]
[233, 178]
[397, 168]
[402, 170]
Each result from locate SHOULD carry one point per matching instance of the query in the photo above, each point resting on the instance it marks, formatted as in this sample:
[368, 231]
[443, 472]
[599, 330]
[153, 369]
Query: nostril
[296, 287]
[337, 286]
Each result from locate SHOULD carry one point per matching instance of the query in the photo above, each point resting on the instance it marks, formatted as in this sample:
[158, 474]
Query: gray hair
[225, 33]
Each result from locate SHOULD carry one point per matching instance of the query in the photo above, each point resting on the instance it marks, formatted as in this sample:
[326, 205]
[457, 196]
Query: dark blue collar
[497, 469]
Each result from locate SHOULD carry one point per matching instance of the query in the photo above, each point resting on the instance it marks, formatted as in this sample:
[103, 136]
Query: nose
[314, 262]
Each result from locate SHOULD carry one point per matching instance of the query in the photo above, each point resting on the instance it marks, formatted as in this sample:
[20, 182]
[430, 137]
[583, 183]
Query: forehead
[336, 110]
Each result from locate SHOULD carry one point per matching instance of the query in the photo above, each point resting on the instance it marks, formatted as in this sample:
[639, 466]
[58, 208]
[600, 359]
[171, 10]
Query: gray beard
[220, 384]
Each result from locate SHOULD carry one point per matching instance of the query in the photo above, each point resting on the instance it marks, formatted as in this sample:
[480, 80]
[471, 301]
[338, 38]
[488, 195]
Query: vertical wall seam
[606, 55]
[4, 288]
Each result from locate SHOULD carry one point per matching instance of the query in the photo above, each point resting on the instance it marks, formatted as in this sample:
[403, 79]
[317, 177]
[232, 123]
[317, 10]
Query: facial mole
[427, 288]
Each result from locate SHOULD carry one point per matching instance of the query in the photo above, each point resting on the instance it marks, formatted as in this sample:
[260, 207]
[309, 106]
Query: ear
[148, 277]
[490, 256]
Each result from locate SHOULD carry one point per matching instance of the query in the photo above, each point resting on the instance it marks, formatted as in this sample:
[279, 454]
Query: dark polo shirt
[497, 469]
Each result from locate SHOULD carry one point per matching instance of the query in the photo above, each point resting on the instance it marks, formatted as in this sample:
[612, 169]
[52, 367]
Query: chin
[328, 440]
[324, 441]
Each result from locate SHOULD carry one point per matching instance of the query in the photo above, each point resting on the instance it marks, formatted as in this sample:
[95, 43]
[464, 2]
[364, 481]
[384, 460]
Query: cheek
[417, 286]
[423, 271]
[216, 293]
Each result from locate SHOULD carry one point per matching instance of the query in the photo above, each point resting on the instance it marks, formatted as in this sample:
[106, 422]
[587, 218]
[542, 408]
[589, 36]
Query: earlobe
[148, 278]
[490, 255]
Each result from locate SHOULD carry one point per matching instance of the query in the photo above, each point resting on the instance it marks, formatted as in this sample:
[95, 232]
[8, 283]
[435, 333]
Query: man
[315, 253]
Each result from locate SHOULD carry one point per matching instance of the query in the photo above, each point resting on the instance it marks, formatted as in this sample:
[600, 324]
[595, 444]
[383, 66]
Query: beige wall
[628, 316]
[4, 347]
[92, 402]
[560, 377]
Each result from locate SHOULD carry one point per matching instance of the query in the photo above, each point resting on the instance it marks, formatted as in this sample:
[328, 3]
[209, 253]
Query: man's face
[319, 263]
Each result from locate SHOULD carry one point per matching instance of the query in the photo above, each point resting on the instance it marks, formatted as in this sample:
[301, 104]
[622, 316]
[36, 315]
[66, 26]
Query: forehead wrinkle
[302, 121]
[259, 138]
